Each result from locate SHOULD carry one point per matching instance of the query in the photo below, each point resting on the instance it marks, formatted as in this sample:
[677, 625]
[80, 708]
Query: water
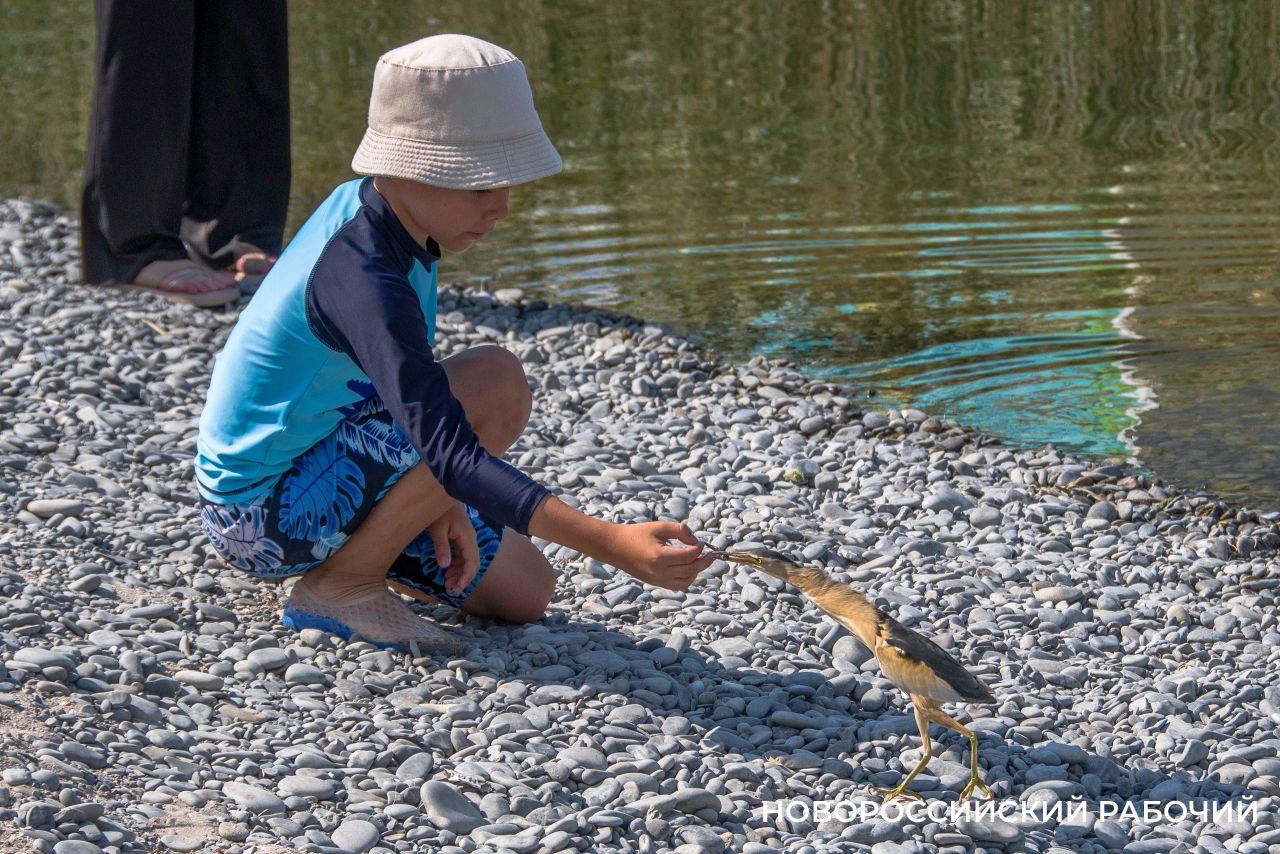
[1054, 222]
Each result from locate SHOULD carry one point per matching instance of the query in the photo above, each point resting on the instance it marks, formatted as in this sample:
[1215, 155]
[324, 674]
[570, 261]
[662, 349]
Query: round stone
[199, 680]
[76, 846]
[356, 835]
[269, 658]
[302, 786]
[47, 508]
[253, 798]
[448, 809]
[305, 674]
[416, 767]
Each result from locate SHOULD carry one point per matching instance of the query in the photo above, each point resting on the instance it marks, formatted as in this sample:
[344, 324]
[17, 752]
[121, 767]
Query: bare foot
[252, 267]
[183, 277]
[334, 585]
[182, 281]
[254, 264]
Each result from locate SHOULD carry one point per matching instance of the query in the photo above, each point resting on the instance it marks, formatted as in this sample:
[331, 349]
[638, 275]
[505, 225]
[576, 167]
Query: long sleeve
[362, 307]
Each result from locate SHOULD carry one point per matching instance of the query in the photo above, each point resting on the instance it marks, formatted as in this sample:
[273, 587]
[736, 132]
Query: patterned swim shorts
[317, 504]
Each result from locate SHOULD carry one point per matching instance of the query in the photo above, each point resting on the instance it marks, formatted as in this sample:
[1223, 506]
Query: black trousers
[188, 150]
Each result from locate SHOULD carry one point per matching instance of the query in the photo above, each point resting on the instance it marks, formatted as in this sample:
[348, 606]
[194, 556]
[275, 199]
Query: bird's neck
[844, 603]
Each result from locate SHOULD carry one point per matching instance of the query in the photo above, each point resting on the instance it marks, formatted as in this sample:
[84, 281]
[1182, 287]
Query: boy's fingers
[465, 579]
[678, 555]
[468, 558]
[444, 557]
[686, 536]
[470, 550]
[668, 530]
[467, 571]
[704, 562]
[678, 564]
[668, 558]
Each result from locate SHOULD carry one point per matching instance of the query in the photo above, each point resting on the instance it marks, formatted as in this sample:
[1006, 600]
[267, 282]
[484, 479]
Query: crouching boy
[334, 445]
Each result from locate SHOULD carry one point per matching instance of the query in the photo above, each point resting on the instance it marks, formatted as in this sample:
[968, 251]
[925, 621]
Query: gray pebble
[448, 809]
[75, 846]
[356, 835]
[270, 658]
[46, 508]
[253, 798]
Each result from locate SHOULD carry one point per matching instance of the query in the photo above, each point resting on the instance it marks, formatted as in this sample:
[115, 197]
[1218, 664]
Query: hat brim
[478, 166]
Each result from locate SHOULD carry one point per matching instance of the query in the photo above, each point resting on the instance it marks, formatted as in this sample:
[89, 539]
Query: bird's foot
[899, 791]
[975, 783]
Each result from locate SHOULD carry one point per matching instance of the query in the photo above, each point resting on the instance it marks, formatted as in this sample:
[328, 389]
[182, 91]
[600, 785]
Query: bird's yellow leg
[926, 753]
[975, 782]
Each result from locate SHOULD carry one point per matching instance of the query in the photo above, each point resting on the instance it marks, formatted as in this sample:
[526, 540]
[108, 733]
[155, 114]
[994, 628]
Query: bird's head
[767, 560]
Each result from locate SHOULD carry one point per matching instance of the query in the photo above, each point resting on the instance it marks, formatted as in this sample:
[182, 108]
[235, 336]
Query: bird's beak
[772, 567]
[732, 557]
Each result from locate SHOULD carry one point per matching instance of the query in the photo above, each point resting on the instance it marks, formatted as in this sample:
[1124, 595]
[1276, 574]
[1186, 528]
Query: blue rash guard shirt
[348, 311]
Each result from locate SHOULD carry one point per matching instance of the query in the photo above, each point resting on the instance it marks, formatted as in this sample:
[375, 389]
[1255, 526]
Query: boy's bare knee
[508, 386]
[546, 587]
[541, 587]
[537, 587]
[499, 363]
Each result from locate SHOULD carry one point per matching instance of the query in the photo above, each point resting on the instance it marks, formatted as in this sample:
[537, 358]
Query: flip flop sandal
[183, 276]
[379, 618]
[260, 262]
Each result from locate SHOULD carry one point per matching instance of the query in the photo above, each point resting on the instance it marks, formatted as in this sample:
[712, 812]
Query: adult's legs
[491, 385]
[237, 179]
[136, 159]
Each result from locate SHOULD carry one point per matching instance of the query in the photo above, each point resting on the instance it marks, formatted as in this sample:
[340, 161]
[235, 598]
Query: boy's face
[454, 218]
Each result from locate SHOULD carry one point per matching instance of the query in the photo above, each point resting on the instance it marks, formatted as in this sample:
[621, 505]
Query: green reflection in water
[915, 196]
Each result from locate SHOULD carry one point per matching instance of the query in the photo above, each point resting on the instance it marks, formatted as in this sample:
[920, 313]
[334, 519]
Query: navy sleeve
[364, 309]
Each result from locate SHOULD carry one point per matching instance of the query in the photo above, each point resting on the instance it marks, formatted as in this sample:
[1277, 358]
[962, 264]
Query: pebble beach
[150, 699]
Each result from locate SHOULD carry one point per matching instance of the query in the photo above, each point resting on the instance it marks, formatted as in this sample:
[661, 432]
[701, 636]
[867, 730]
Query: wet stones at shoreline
[150, 697]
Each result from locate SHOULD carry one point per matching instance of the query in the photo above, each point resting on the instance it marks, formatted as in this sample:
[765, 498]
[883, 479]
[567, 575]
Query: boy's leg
[490, 384]
[517, 587]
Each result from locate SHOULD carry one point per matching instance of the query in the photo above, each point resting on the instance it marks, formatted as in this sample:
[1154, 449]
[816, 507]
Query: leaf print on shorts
[369, 401]
[391, 481]
[237, 534]
[322, 548]
[421, 546]
[321, 493]
[379, 440]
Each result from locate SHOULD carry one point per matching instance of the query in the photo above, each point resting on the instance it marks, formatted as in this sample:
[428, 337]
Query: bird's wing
[913, 675]
[915, 645]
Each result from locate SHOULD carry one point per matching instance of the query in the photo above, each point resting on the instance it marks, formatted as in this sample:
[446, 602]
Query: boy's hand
[462, 559]
[641, 549]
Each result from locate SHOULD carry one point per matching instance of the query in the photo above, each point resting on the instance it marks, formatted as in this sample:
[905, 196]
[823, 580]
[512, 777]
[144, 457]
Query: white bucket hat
[454, 111]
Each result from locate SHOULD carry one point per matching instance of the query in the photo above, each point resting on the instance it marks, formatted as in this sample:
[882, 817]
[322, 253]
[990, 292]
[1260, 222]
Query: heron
[925, 671]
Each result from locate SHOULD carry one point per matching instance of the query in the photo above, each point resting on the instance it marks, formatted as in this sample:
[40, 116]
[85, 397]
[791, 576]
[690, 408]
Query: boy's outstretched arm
[639, 548]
